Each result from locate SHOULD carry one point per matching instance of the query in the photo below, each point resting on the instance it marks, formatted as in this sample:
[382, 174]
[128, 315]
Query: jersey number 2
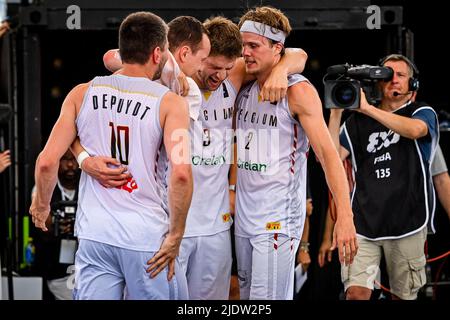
[248, 140]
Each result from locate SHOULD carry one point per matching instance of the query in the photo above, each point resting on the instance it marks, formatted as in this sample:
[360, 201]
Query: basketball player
[206, 248]
[272, 142]
[187, 55]
[126, 237]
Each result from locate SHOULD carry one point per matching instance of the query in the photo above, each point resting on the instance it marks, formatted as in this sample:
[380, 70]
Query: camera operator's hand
[99, 168]
[165, 257]
[39, 214]
[364, 106]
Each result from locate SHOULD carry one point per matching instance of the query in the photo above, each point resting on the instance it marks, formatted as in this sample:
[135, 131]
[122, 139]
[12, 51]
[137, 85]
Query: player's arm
[293, 61]
[175, 121]
[46, 172]
[177, 144]
[233, 180]
[275, 87]
[232, 177]
[333, 127]
[108, 171]
[305, 104]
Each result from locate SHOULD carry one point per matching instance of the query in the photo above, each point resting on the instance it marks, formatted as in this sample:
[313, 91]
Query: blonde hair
[224, 36]
[268, 16]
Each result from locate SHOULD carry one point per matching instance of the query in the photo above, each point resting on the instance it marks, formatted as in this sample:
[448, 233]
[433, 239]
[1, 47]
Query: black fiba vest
[393, 194]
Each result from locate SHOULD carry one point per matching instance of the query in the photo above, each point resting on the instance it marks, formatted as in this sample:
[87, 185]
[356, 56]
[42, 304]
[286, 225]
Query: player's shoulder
[76, 95]
[301, 88]
[295, 78]
[80, 88]
[303, 97]
[170, 99]
[171, 96]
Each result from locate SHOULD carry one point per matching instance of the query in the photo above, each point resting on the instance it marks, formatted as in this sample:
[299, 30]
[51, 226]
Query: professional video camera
[64, 218]
[343, 89]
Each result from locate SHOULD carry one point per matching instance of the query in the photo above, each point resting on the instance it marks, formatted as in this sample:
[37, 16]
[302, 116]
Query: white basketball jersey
[119, 117]
[211, 138]
[271, 160]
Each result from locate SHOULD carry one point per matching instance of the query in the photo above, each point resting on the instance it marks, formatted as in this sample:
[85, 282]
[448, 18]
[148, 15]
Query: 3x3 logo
[383, 139]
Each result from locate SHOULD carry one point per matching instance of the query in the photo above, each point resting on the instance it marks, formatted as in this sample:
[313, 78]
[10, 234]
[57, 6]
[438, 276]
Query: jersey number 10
[120, 142]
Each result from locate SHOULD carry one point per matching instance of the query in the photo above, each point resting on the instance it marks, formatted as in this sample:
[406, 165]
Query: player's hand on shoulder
[276, 85]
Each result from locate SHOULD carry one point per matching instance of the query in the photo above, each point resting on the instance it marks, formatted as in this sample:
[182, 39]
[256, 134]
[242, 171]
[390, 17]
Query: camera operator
[391, 148]
[55, 246]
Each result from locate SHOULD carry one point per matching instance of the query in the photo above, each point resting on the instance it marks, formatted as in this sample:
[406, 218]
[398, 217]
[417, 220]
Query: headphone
[413, 83]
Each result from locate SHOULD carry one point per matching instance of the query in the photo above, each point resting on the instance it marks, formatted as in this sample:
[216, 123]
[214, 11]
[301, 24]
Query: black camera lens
[344, 94]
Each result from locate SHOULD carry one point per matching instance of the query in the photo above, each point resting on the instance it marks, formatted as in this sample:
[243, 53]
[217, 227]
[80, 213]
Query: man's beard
[70, 180]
